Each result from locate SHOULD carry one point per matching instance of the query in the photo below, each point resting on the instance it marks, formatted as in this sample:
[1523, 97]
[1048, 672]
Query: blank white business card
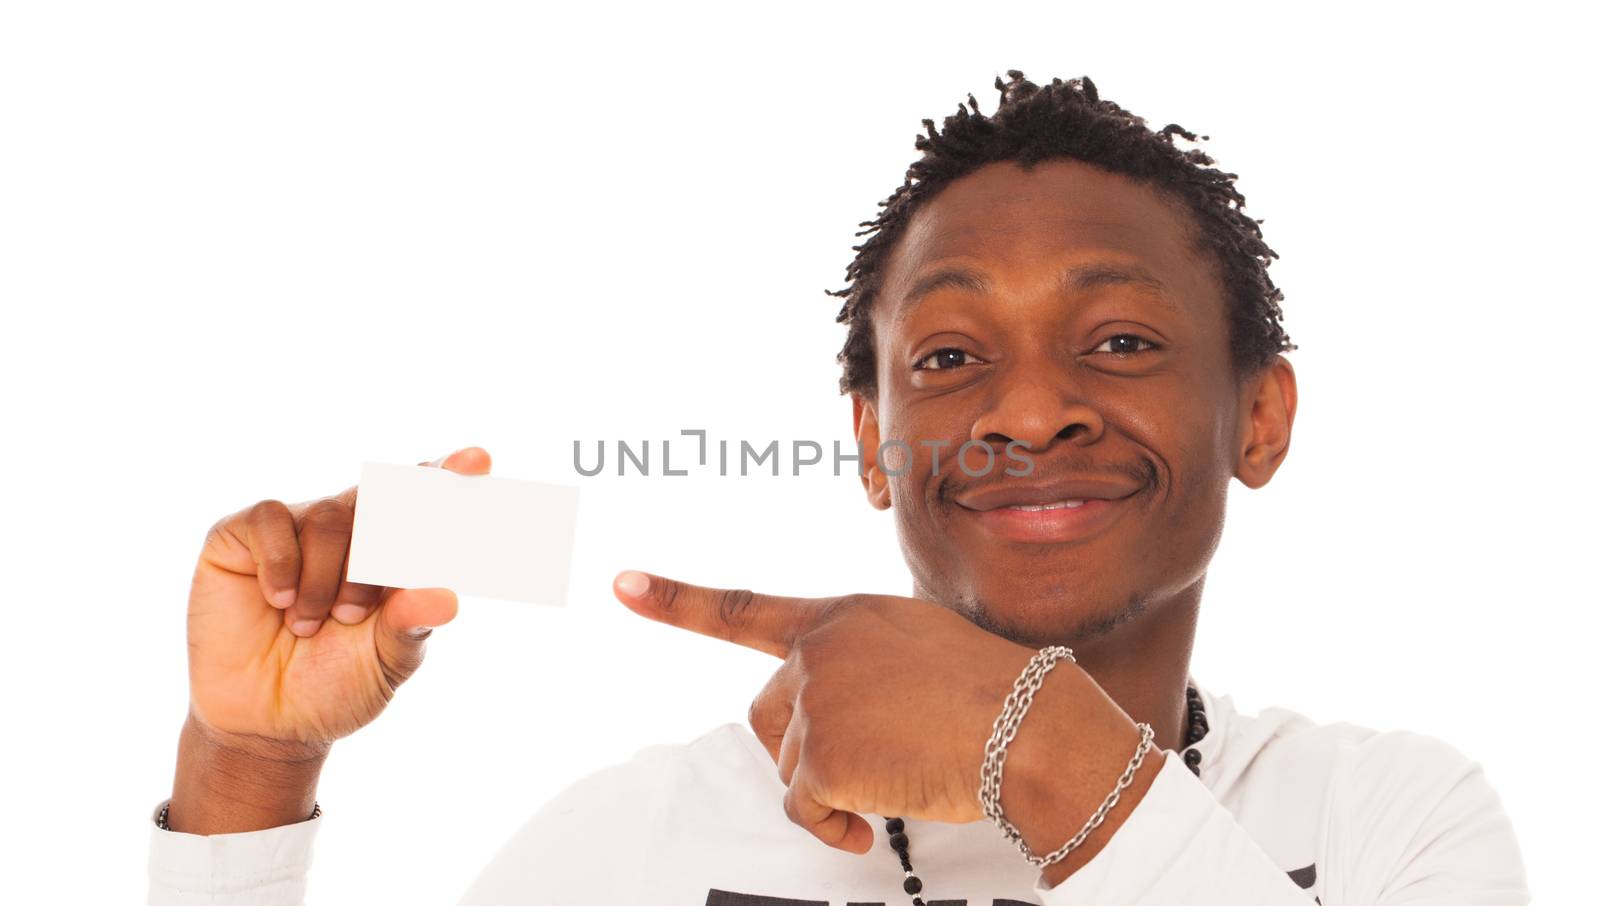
[480, 535]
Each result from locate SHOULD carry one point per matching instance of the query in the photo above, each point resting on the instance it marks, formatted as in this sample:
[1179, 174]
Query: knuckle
[790, 810]
[329, 514]
[248, 519]
[840, 614]
[733, 605]
[768, 715]
[667, 592]
[218, 532]
[847, 602]
[270, 507]
[395, 673]
[281, 559]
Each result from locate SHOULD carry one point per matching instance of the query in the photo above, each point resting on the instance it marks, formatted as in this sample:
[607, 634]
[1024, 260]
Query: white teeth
[1058, 505]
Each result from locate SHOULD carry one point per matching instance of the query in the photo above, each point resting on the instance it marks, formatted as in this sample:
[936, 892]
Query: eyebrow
[1076, 279]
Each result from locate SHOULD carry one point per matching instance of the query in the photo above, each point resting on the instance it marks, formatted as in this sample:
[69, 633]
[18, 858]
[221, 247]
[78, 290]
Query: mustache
[1141, 470]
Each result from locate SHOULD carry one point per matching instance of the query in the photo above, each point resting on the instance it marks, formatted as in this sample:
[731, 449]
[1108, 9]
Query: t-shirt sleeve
[258, 868]
[1416, 822]
[1408, 821]
[1178, 846]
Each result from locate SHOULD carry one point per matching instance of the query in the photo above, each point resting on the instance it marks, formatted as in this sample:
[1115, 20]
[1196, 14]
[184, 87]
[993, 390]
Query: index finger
[769, 623]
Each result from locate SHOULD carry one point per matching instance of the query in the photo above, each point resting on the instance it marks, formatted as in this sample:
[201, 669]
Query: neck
[1142, 663]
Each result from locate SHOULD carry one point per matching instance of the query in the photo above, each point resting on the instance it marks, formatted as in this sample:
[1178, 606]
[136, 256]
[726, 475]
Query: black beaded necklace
[1191, 757]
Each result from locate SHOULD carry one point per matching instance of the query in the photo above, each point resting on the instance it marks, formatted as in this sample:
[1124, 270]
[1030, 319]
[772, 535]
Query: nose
[1039, 409]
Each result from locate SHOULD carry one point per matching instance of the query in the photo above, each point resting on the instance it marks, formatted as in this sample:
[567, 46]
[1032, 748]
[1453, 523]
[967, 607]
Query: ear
[865, 419]
[1268, 399]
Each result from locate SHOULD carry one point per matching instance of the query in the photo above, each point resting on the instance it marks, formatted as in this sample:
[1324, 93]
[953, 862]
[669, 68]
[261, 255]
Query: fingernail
[349, 614]
[305, 628]
[633, 583]
[283, 597]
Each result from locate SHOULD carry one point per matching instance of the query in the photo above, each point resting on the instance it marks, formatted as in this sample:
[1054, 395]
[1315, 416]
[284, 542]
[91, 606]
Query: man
[1055, 285]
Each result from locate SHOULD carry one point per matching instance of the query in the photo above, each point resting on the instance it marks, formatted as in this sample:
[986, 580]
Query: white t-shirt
[1284, 812]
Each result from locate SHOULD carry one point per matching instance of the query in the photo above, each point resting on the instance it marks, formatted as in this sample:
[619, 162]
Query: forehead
[1021, 226]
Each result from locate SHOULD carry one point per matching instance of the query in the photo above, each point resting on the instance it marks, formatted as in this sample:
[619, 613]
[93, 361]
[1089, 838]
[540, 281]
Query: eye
[943, 359]
[1124, 344]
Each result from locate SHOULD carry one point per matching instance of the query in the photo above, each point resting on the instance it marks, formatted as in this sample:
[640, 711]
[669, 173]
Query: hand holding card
[287, 654]
[304, 619]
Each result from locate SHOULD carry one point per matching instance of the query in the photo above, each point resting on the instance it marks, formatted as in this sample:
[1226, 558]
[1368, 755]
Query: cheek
[923, 444]
[1172, 544]
[1186, 426]
[920, 437]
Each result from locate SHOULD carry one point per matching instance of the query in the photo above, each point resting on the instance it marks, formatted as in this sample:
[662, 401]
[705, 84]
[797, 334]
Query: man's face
[1089, 330]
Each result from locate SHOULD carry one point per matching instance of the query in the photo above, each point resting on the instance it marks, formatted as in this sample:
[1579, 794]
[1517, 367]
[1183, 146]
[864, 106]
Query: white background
[245, 247]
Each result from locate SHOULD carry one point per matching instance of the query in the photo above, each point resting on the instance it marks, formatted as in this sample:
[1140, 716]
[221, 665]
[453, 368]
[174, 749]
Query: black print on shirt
[1303, 877]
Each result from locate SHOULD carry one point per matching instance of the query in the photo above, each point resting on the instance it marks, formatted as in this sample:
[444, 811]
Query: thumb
[403, 625]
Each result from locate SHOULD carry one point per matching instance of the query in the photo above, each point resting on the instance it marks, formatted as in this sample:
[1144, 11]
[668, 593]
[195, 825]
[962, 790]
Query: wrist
[266, 749]
[1070, 752]
[232, 783]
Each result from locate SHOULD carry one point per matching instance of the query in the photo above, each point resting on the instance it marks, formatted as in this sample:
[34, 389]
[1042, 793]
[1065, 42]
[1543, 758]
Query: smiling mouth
[1047, 512]
[1036, 508]
[1053, 522]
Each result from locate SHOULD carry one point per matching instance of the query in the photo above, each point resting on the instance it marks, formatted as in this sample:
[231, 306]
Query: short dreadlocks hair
[1070, 120]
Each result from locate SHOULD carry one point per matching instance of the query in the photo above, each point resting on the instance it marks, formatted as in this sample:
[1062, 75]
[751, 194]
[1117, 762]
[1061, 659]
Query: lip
[1036, 493]
[992, 508]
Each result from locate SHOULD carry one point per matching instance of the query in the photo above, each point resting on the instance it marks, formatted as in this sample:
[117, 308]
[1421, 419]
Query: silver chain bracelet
[1005, 730]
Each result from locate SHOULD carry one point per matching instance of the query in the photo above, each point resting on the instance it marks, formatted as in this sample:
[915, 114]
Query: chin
[1041, 607]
